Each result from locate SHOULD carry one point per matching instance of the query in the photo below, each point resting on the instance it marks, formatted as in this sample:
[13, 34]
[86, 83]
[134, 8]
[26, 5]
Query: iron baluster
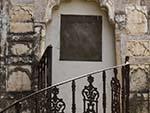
[127, 84]
[57, 104]
[104, 92]
[73, 97]
[115, 85]
[18, 108]
[123, 88]
[49, 77]
[90, 97]
[127, 71]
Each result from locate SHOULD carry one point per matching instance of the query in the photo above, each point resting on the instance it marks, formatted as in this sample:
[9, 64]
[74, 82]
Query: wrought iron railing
[47, 100]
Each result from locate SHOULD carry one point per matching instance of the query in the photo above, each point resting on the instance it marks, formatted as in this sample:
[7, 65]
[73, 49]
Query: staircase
[102, 91]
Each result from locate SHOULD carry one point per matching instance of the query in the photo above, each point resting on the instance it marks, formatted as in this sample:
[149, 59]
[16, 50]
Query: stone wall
[133, 39]
[22, 42]
[21, 37]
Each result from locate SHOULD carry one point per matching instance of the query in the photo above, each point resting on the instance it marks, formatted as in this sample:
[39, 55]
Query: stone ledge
[21, 37]
[19, 60]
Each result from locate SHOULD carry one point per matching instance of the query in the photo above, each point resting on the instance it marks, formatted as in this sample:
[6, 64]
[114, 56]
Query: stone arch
[107, 5]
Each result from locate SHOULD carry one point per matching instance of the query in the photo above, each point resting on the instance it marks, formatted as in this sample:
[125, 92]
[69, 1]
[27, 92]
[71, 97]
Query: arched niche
[69, 69]
[64, 69]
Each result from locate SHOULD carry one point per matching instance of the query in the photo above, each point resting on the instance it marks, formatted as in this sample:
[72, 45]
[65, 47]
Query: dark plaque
[81, 38]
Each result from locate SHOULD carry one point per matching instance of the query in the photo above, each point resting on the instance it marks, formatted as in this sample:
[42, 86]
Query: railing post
[73, 97]
[127, 84]
[115, 85]
[49, 77]
[104, 92]
[123, 89]
[18, 107]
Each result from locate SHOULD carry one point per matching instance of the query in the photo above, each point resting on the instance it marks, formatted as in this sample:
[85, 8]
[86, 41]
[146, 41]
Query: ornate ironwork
[90, 97]
[115, 85]
[57, 104]
[46, 100]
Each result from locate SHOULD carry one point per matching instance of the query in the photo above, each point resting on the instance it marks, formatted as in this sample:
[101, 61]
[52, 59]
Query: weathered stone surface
[139, 103]
[19, 80]
[139, 60]
[20, 60]
[21, 13]
[21, 27]
[120, 18]
[20, 49]
[139, 77]
[21, 38]
[40, 8]
[26, 67]
[136, 20]
[22, 2]
[138, 48]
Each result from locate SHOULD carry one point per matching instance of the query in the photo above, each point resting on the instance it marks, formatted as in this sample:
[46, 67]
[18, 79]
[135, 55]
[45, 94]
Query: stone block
[138, 103]
[136, 20]
[138, 48]
[139, 77]
[18, 80]
[23, 48]
[22, 1]
[20, 13]
[21, 27]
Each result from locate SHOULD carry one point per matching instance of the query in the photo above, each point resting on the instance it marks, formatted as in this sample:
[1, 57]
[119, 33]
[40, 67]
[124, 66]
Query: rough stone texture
[138, 48]
[20, 49]
[21, 27]
[139, 103]
[22, 75]
[21, 13]
[23, 82]
[120, 19]
[139, 77]
[136, 20]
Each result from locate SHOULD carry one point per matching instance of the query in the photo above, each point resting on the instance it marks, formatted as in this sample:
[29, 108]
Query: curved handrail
[61, 83]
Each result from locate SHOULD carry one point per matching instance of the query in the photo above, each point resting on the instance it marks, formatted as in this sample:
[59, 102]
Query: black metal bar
[123, 89]
[73, 97]
[127, 69]
[104, 92]
[149, 100]
[18, 107]
[127, 84]
[49, 77]
[36, 106]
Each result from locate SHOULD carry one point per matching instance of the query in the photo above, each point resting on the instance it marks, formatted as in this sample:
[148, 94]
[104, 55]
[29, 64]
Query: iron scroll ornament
[115, 85]
[90, 97]
[57, 104]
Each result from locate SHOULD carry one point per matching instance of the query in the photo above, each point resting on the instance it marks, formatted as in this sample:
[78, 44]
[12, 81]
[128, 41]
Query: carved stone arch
[107, 5]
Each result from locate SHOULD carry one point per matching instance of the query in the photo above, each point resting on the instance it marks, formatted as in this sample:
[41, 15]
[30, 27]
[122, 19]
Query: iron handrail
[61, 83]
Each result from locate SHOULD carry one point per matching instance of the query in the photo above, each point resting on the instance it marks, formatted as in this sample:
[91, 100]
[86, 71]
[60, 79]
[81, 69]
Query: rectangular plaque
[81, 38]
